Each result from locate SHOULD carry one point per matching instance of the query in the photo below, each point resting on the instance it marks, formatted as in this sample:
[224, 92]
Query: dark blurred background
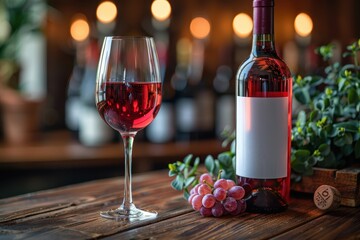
[48, 59]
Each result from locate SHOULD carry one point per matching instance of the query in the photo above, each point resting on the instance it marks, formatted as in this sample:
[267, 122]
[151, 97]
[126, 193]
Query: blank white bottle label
[261, 137]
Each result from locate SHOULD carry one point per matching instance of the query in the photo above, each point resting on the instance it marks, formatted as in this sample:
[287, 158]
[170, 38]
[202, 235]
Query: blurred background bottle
[83, 118]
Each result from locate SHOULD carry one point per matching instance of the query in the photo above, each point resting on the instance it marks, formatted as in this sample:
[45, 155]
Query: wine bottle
[263, 118]
[73, 103]
[185, 106]
[162, 129]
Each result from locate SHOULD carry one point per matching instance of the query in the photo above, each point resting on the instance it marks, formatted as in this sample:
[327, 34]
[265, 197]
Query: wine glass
[128, 97]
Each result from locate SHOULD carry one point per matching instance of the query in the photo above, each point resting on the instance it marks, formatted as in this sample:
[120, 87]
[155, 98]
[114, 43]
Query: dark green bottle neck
[263, 45]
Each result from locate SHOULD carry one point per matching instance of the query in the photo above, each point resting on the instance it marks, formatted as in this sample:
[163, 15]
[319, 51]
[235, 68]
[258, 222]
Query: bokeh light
[200, 27]
[106, 12]
[79, 28]
[242, 25]
[303, 24]
[161, 10]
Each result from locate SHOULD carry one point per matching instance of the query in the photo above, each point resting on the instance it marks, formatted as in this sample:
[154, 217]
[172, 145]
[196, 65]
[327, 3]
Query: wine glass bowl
[128, 97]
[129, 106]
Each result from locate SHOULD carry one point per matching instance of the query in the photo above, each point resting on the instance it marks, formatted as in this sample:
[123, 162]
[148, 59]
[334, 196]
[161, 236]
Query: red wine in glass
[129, 106]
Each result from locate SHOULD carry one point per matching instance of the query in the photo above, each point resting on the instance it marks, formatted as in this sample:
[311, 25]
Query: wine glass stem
[128, 140]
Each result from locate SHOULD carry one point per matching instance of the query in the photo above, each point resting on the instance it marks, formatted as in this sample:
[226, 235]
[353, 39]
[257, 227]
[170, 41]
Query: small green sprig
[187, 174]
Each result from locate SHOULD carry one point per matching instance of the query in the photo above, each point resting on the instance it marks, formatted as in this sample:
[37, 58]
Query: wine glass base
[133, 214]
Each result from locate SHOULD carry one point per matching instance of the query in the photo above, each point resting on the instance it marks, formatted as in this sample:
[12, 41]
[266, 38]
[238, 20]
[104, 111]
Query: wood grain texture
[340, 224]
[73, 213]
[246, 226]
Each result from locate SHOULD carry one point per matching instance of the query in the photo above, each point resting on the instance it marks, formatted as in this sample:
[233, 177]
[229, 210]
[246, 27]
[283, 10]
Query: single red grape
[231, 183]
[191, 197]
[219, 194]
[217, 210]
[204, 189]
[222, 183]
[208, 200]
[206, 177]
[196, 202]
[230, 204]
[236, 192]
[205, 212]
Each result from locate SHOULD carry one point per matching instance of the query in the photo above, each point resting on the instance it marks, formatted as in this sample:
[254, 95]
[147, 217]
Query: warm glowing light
[79, 29]
[303, 24]
[200, 27]
[106, 12]
[161, 9]
[242, 25]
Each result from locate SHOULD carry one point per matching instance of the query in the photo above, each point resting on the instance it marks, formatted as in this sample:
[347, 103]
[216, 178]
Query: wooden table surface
[72, 212]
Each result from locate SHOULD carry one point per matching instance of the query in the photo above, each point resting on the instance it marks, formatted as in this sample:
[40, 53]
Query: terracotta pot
[21, 117]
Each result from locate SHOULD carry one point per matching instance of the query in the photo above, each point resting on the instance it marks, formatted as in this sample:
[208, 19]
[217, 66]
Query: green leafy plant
[326, 133]
[187, 172]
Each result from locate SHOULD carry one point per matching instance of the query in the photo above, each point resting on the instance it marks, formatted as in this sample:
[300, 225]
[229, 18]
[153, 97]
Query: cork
[327, 198]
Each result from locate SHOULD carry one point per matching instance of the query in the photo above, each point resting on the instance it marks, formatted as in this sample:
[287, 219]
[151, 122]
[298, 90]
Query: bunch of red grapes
[217, 198]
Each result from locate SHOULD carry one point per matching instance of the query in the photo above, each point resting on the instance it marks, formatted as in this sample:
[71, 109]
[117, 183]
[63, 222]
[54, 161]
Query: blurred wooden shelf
[59, 150]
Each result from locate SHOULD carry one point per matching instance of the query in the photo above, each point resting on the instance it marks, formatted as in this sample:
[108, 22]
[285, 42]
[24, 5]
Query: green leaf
[313, 116]
[233, 147]
[197, 162]
[350, 126]
[333, 132]
[302, 95]
[313, 160]
[314, 80]
[320, 105]
[324, 149]
[194, 168]
[348, 138]
[347, 149]
[186, 195]
[347, 54]
[341, 84]
[181, 167]
[326, 51]
[189, 181]
[298, 166]
[178, 183]
[301, 119]
[352, 96]
[216, 168]
[329, 161]
[225, 159]
[302, 155]
[313, 127]
[339, 141]
[187, 159]
[172, 173]
[209, 164]
[326, 102]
